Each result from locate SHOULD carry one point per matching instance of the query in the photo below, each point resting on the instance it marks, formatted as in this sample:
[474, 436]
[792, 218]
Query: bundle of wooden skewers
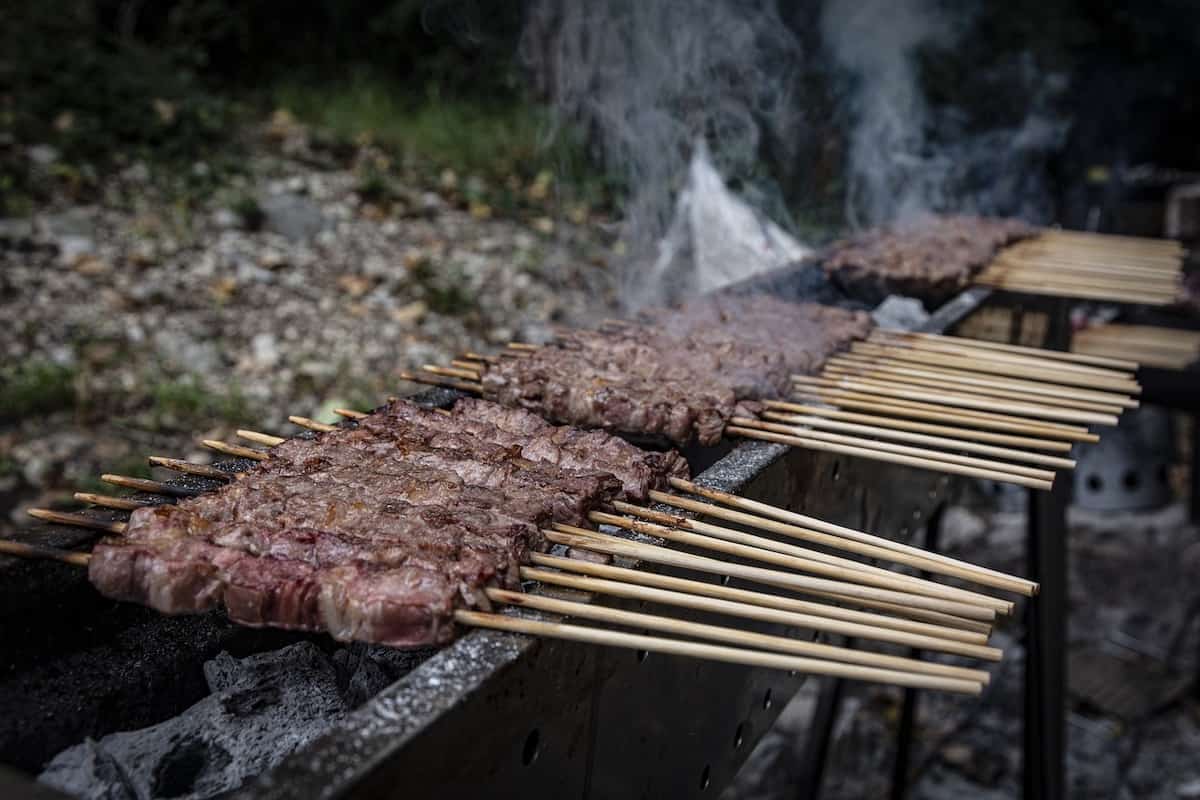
[1166, 348]
[1090, 266]
[844, 595]
[927, 400]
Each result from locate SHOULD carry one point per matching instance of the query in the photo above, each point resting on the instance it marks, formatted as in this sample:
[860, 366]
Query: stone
[292, 216]
[265, 349]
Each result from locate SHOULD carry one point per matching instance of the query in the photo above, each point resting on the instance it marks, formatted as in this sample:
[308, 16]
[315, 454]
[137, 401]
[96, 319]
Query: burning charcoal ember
[260, 709]
[681, 374]
[376, 532]
[930, 259]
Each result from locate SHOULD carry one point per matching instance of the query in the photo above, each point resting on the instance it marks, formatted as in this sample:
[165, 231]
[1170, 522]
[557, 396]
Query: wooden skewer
[261, 438]
[1107, 241]
[761, 641]
[350, 413]
[980, 417]
[1111, 363]
[798, 424]
[800, 613]
[731, 655]
[77, 520]
[1140, 278]
[522, 346]
[909, 425]
[451, 372]
[957, 399]
[919, 452]
[971, 364]
[188, 468]
[895, 458]
[145, 485]
[110, 501]
[950, 347]
[312, 424]
[1156, 275]
[23, 550]
[470, 366]
[470, 356]
[771, 518]
[830, 566]
[883, 376]
[449, 383]
[1030, 287]
[234, 450]
[795, 581]
[961, 377]
[614, 545]
[929, 411]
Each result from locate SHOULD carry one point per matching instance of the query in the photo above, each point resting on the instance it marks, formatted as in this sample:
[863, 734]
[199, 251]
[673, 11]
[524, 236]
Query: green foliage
[506, 142]
[96, 92]
[185, 400]
[35, 388]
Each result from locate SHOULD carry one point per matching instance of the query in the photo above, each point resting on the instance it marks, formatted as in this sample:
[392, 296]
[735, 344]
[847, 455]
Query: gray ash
[260, 709]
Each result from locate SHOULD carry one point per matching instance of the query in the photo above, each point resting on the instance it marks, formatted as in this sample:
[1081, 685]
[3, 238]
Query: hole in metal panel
[705, 778]
[641, 655]
[1131, 480]
[837, 469]
[725, 580]
[739, 736]
[1094, 483]
[533, 743]
[768, 700]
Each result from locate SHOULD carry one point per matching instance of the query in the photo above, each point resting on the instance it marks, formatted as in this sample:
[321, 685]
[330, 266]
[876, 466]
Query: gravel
[319, 302]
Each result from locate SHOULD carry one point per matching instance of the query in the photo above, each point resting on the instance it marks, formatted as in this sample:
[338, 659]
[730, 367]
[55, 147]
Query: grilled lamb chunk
[639, 471]
[931, 258]
[375, 533]
[681, 377]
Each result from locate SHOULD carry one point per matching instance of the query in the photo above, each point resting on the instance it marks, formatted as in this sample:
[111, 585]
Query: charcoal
[261, 708]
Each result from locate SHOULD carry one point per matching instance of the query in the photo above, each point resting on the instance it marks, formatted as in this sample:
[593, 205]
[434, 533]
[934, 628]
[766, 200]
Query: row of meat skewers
[959, 406]
[889, 607]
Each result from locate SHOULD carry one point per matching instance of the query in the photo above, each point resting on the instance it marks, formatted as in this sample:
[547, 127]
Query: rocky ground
[144, 318]
[1132, 596]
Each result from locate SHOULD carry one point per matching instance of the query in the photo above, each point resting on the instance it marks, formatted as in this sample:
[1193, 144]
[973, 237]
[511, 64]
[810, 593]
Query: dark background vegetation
[108, 81]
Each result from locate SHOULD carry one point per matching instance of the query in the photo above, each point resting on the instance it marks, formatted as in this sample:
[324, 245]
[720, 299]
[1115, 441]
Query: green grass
[35, 388]
[186, 401]
[495, 141]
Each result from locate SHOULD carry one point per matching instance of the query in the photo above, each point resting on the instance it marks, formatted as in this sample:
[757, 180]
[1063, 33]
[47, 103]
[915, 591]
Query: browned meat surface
[931, 258]
[681, 373]
[377, 531]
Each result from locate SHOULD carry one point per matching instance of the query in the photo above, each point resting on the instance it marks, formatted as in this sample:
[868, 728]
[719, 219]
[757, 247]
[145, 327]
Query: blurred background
[216, 214]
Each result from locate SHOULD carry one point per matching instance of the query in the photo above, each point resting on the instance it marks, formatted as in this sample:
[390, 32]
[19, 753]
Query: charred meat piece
[931, 258]
[679, 373]
[375, 532]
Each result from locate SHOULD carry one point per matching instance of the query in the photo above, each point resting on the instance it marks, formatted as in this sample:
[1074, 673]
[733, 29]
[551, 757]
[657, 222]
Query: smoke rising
[647, 81]
[906, 158]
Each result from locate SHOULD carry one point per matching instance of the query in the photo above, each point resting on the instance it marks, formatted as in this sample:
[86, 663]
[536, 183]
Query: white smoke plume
[906, 159]
[647, 81]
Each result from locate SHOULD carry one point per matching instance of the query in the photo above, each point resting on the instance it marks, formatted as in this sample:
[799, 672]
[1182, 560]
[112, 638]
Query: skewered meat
[373, 532]
[682, 377]
[932, 258]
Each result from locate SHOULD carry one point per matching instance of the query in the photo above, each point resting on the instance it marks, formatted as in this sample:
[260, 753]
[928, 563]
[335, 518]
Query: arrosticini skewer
[918, 675]
[774, 643]
[857, 583]
[808, 529]
[777, 554]
[780, 554]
